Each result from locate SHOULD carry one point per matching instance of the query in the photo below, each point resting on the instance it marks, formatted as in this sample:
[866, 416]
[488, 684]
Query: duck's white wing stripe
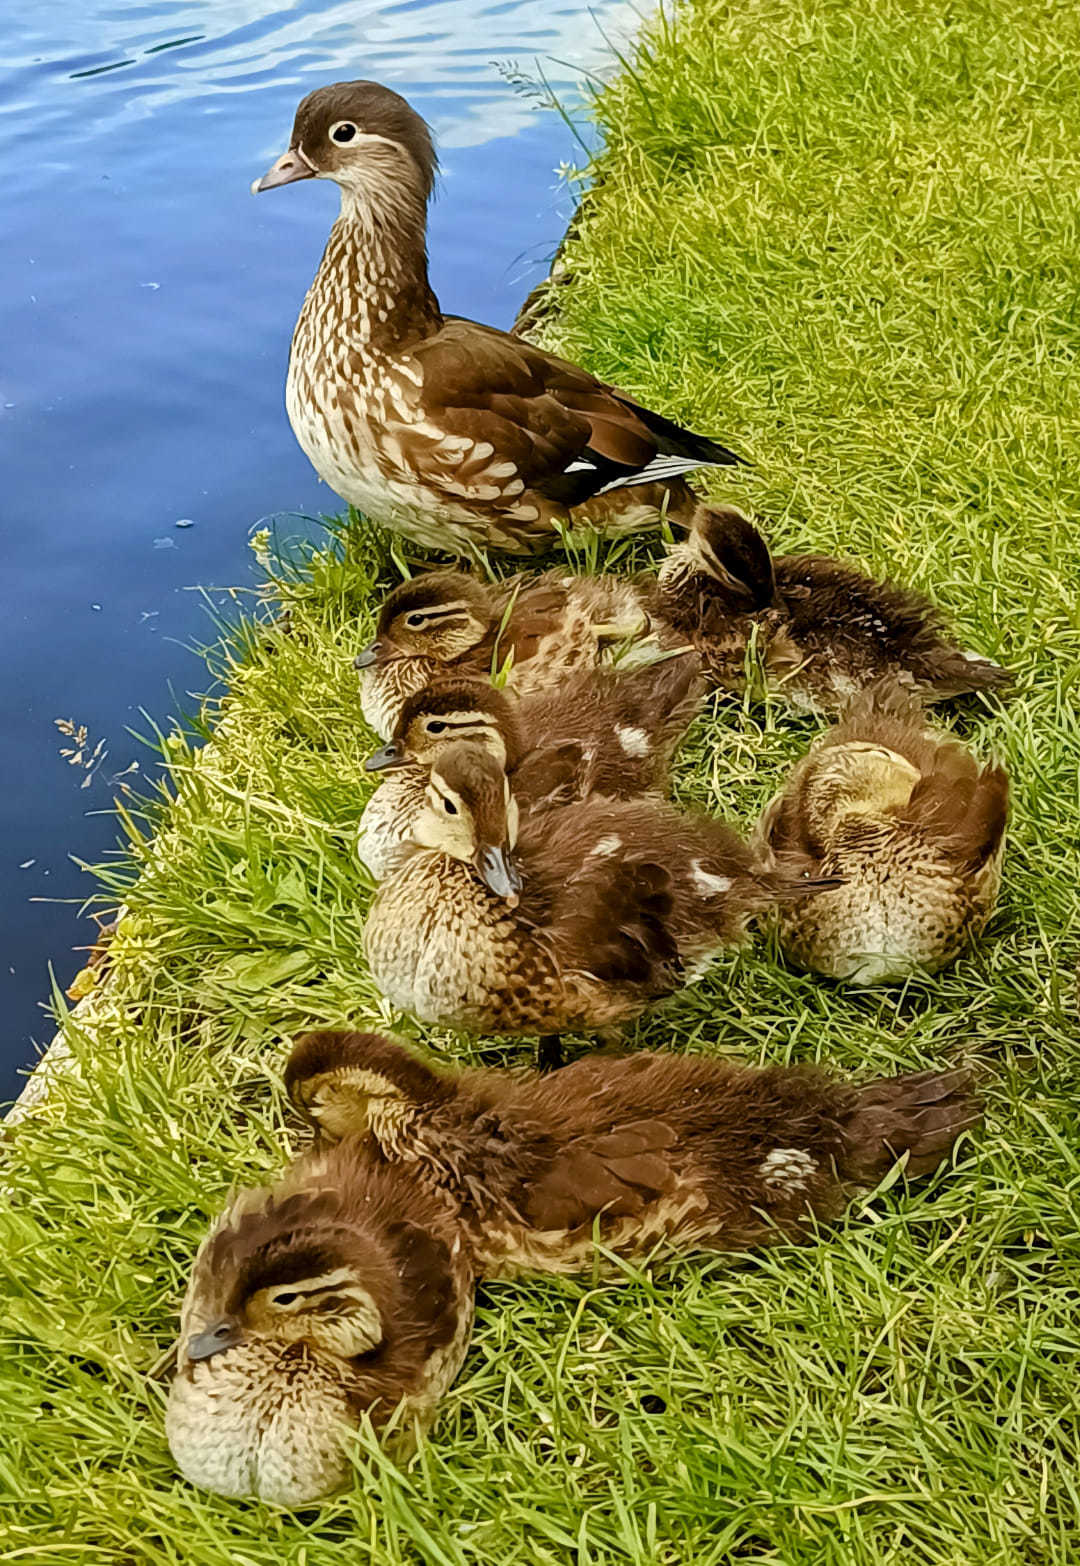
[658, 468]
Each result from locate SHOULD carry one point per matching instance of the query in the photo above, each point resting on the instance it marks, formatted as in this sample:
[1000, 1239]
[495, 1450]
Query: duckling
[823, 630]
[603, 732]
[631, 1151]
[346, 1288]
[540, 629]
[615, 903]
[913, 824]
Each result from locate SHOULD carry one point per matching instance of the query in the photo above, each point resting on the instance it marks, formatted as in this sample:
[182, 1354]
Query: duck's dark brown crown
[444, 697]
[434, 590]
[297, 1236]
[376, 111]
[739, 547]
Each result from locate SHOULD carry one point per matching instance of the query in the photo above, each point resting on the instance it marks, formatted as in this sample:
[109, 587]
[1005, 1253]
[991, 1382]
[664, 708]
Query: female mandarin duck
[683, 1149]
[823, 630]
[345, 1289]
[454, 434]
[599, 909]
[534, 630]
[602, 733]
[912, 824]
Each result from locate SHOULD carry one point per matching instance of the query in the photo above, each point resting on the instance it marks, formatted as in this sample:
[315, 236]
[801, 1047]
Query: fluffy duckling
[602, 907]
[540, 629]
[913, 824]
[345, 1289]
[632, 1151]
[823, 630]
[603, 732]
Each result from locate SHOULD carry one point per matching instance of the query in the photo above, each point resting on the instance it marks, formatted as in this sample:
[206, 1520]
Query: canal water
[146, 305]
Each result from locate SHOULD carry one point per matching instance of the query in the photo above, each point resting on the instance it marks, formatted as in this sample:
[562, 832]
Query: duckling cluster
[535, 877]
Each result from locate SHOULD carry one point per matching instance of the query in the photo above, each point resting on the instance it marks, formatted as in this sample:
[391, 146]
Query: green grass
[844, 239]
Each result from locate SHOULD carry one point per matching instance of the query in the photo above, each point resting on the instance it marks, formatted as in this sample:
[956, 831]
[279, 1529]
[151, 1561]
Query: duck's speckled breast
[443, 947]
[384, 842]
[242, 1423]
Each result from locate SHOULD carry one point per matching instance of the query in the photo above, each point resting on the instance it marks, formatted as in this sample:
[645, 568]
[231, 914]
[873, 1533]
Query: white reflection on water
[130, 59]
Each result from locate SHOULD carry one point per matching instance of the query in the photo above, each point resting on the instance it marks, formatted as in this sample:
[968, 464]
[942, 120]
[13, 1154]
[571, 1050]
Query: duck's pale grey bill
[498, 872]
[386, 759]
[368, 656]
[222, 1335]
[292, 165]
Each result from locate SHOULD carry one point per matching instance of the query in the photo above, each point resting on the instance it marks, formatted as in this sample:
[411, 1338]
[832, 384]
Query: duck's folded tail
[920, 1115]
[963, 673]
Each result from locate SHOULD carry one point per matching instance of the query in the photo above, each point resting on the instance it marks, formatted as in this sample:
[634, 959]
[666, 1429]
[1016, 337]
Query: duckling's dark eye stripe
[437, 612]
[463, 724]
[288, 1296]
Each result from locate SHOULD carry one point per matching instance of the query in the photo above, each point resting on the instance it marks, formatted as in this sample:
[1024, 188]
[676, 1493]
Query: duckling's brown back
[606, 732]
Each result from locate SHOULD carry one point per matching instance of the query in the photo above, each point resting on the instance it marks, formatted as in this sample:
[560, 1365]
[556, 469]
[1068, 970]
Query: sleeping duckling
[823, 630]
[615, 903]
[602, 732]
[648, 1148]
[543, 628]
[347, 1288]
[914, 825]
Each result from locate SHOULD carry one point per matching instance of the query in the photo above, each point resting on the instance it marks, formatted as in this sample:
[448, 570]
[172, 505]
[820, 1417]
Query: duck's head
[470, 815]
[288, 1305]
[282, 1271]
[359, 1084]
[364, 137]
[449, 710]
[441, 615]
[858, 778]
[727, 547]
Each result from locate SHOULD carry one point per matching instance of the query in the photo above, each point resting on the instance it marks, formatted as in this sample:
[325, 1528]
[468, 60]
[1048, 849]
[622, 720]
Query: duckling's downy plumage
[603, 732]
[915, 826]
[822, 630]
[345, 1289]
[602, 906]
[537, 629]
[683, 1149]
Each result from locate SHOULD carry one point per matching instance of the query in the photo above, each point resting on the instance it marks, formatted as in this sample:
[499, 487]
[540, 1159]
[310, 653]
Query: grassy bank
[845, 239]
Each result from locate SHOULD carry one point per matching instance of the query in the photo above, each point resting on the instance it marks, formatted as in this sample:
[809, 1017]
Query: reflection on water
[146, 304]
[445, 49]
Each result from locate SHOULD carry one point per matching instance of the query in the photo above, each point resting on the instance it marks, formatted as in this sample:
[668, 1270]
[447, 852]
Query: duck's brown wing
[501, 416]
[613, 1172]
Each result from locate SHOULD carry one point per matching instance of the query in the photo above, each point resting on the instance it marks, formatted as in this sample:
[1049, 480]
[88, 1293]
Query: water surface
[146, 304]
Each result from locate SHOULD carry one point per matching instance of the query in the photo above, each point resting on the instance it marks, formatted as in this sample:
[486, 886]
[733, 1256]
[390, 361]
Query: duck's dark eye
[449, 807]
[288, 1298]
[436, 726]
[414, 621]
[344, 131]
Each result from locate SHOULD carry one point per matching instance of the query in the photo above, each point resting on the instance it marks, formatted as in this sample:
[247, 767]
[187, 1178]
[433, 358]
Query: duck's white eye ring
[343, 132]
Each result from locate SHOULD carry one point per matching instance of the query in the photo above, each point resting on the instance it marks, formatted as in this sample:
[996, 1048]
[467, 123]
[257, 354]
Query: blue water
[146, 305]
